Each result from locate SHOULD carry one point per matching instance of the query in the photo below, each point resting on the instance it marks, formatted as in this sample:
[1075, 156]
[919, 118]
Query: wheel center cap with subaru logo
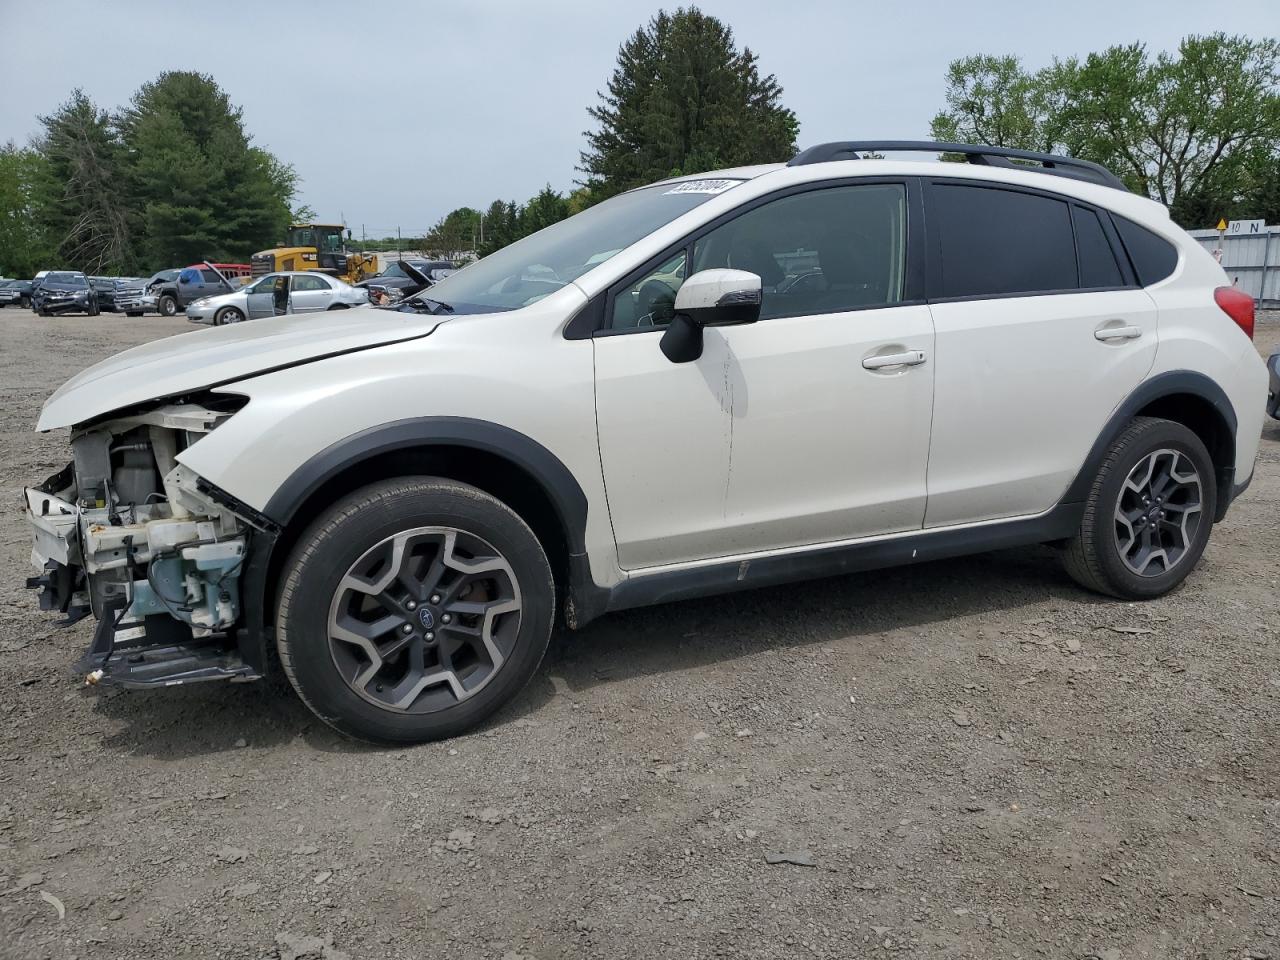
[426, 618]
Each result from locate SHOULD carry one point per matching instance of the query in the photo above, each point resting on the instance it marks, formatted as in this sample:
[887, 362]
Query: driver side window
[651, 300]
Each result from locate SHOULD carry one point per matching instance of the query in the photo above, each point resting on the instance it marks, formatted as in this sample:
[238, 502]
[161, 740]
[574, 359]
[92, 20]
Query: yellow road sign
[1222, 224]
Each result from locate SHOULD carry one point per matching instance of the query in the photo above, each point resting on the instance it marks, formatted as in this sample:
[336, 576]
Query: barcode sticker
[703, 186]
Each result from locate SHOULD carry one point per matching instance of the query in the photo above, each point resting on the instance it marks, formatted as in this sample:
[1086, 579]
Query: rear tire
[438, 648]
[1148, 515]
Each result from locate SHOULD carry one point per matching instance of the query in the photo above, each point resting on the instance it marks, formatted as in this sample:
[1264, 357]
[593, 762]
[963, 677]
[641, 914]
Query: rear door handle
[909, 359]
[1117, 333]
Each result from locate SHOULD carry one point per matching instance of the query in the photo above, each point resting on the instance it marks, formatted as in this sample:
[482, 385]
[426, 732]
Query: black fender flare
[1168, 384]
[561, 486]
[557, 481]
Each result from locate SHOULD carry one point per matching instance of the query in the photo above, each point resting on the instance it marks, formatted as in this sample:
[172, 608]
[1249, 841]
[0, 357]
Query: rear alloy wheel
[414, 609]
[1149, 513]
[227, 315]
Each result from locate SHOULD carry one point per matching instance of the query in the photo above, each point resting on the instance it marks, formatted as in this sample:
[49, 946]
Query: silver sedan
[298, 291]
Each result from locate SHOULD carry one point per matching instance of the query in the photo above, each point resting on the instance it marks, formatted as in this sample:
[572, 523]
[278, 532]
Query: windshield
[540, 264]
[65, 281]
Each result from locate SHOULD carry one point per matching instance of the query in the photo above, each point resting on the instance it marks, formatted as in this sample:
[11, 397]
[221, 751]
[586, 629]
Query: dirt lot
[976, 759]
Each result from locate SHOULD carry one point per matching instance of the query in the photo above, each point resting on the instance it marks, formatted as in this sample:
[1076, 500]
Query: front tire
[227, 315]
[413, 609]
[1149, 513]
[167, 306]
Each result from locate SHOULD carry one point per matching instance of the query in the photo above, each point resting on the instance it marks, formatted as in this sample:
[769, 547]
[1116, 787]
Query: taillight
[1238, 306]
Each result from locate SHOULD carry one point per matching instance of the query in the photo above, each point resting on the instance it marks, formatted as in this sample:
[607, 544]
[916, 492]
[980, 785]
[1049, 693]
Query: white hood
[193, 361]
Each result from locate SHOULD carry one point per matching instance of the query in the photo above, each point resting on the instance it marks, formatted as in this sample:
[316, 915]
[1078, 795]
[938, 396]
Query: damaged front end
[129, 534]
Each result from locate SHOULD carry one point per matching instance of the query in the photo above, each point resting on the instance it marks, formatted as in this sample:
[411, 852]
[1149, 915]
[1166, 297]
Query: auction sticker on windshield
[703, 186]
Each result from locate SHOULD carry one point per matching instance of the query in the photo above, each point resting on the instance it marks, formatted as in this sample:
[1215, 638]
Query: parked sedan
[300, 291]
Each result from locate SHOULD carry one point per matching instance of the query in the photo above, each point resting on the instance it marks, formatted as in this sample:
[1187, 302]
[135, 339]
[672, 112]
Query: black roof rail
[979, 153]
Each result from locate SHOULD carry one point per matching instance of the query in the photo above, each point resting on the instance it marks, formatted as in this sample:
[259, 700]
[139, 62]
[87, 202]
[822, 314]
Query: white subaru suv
[709, 384]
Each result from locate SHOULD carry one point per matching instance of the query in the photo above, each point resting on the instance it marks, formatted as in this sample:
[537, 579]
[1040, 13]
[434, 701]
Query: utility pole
[398, 242]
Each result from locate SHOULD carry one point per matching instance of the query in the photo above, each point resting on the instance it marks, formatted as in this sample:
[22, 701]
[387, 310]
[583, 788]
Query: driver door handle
[909, 359]
[1118, 333]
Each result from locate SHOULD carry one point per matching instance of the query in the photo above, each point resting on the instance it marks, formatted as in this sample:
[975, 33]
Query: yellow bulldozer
[316, 246]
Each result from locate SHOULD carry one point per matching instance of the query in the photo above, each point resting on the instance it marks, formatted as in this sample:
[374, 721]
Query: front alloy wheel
[413, 609]
[424, 620]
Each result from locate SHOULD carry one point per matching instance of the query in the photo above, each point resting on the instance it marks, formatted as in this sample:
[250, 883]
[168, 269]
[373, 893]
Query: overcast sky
[396, 116]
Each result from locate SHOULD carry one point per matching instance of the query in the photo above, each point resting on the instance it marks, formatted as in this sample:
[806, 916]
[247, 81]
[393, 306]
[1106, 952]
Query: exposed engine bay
[127, 533]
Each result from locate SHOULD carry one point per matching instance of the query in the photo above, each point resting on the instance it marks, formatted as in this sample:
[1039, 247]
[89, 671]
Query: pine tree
[78, 195]
[682, 99]
[200, 190]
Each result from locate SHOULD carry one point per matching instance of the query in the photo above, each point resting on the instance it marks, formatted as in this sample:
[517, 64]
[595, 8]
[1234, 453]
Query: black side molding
[937, 544]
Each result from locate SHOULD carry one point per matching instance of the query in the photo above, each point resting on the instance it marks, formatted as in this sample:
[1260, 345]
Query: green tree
[200, 189]
[456, 232]
[501, 226]
[992, 99]
[1193, 129]
[78, 198]
[683, 98]
[24, 246]
[547, 207]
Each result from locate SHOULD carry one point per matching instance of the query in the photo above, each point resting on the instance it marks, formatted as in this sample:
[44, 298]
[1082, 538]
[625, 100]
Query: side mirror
[710, 298]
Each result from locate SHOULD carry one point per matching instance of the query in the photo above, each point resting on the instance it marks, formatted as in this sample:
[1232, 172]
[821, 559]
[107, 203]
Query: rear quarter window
[994, 242]
[1154, 258]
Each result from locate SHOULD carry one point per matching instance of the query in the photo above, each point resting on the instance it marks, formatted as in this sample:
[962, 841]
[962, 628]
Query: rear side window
[1098, 266]
[996, 242]
[210, 277]
[1153, 258]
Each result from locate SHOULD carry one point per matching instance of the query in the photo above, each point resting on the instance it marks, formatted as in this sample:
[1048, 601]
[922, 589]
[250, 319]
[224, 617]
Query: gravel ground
[969, 759]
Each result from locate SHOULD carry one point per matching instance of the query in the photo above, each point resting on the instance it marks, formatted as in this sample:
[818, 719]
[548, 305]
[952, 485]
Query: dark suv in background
[404, 278]
[15, 291]
[64, 291]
